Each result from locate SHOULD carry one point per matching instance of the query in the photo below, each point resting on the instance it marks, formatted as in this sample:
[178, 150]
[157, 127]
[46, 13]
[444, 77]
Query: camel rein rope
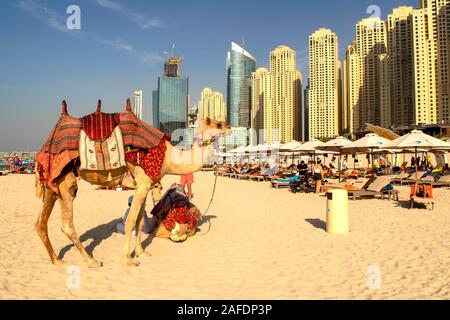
[210, 203]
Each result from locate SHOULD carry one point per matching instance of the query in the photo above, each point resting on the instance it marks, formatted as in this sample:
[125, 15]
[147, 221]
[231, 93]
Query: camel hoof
[58, 262]
[130, 262]
[142, 253]
[94, 264]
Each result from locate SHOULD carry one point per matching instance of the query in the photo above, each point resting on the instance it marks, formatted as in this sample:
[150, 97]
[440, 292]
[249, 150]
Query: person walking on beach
[187, 180]
[318, 175]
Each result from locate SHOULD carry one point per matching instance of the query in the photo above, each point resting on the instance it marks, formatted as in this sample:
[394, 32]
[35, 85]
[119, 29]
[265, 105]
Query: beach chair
[423, 196]
[398, 179]
[257, 178]
[349, 185]
[443, 181]
[278, 184]
[376, 188]
[412, 178]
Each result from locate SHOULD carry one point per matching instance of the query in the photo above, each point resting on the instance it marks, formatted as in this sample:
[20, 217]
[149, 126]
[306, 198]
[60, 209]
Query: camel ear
[99, 106]
[64, 111]
[128, 105]
[208, 121]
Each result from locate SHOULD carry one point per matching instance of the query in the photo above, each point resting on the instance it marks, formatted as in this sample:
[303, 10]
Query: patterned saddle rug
[98, 126]
[102, 155]
[63, 144]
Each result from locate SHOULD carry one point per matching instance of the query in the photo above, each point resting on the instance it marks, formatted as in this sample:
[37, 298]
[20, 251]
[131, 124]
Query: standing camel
[176, 162]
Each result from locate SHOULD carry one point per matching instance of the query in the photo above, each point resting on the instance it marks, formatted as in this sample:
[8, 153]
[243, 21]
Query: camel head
[213, 129]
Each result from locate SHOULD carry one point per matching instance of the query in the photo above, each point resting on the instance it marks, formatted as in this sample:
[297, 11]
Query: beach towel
[105, 155]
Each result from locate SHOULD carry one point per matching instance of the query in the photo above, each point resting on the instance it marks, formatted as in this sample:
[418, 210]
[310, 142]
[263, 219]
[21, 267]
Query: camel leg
[139, 250]
[68, 190]
[41, 224]
[144, 184]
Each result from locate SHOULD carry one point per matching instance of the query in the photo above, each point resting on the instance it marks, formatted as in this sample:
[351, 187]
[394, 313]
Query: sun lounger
[412, 178]
[256, 178]
[400, 178]
[426, 199]
[444, 181]
[277, 184]
[357, 184]
[376, 188]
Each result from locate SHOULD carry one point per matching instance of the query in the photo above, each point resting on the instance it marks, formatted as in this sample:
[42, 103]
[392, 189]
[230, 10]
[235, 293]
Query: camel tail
[38, 185]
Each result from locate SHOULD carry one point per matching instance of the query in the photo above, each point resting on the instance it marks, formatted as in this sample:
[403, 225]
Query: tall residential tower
[324, 85]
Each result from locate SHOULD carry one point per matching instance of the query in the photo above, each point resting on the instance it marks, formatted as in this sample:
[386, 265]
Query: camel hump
[128, 108]
[99, 106]
[64, 111]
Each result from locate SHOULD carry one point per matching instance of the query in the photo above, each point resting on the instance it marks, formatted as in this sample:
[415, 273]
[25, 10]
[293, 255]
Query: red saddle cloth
[98, 126]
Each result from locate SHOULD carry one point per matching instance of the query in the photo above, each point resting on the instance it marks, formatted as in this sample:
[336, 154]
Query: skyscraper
[137, 103]
[438, 16]
[324, 84]
[170, 100]
[370, 43]
[283, 102]
[260, 94]
[240, 65]
[211, 105]
[424, 53]
[401, 68]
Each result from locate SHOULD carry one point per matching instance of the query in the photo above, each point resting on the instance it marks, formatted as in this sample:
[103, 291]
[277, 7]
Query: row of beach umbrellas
[414, 142]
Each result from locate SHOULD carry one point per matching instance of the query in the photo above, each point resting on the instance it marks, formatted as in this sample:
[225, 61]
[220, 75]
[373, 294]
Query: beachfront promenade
[258, 243]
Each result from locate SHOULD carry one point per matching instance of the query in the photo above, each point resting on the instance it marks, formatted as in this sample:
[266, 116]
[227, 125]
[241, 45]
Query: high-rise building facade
[370, 43]
[324, 84]
[260, 99]
[424, 56]
[353, 65]
[137, 103]
[211, 105]
[282, 115]
[401, 66]
[240, 66]
[438, 16]
[170, 101]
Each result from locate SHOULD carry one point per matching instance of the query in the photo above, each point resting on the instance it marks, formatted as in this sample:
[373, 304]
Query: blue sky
[121, 45]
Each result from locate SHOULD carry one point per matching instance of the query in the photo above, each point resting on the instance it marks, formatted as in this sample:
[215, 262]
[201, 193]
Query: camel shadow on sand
[105, 231]
[97, 235]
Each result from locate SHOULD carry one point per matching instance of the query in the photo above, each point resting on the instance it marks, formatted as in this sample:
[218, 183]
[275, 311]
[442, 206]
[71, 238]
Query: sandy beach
[257, 243]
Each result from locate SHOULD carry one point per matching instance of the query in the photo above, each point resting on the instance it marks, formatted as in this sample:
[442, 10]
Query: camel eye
[219, 126]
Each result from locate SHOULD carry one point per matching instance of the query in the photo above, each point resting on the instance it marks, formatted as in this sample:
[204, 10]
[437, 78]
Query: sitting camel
[176, 162]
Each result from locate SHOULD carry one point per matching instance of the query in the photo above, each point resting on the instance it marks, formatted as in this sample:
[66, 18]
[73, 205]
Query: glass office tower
[170, 101]
[240, 66]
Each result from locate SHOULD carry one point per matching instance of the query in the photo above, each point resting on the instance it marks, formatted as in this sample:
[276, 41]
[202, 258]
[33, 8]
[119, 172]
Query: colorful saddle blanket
[103, 155]
[99, 125]
[63, 143]
[175, 207]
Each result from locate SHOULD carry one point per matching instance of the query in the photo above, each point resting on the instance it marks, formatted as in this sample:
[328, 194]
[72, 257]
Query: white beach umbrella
[239, 150]
[335, 145]
[367, 144]
[417, 140]
[290, 146]
[309, 147]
